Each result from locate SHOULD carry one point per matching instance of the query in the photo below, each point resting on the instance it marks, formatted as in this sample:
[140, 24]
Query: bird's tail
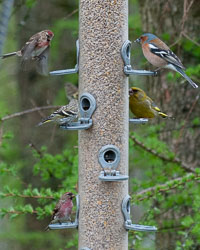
[179, 70]
[163, 114]
[47, 228]
[44, 121]
[8, 55]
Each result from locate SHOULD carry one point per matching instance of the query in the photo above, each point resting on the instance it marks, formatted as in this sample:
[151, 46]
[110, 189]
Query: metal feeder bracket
[85, 248]
[68, 224]
[138, 120]
[109, 158]
[69, 71]
[128, 223]
[87, 106]
[128, 70]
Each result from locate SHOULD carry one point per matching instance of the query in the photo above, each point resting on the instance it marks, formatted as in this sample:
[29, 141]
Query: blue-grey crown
[150, 37]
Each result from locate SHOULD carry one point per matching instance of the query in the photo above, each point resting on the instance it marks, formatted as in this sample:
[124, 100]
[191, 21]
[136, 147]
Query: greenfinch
[142, 106]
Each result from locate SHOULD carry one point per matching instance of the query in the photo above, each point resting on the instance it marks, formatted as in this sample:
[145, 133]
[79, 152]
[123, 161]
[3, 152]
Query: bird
[71, 91]
[64, 115]
[142, 106]
[160, 55]
[35, 49]
[63, 209]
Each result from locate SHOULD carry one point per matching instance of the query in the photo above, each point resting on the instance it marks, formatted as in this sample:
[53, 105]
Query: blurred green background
[38, 164]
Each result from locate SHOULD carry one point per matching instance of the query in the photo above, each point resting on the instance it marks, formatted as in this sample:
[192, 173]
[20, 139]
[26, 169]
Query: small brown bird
[36, 49]
[142, 106]
[71, 91]
[64, 115]
[63, 209]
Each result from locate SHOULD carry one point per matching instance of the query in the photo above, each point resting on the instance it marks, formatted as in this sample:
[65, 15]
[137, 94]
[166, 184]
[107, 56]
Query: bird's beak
[72, 195]
[137, 40]
[130, 92]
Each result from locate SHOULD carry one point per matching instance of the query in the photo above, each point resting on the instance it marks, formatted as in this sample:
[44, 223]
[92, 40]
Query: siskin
[142, 106]
[64, 115]
[71, 91]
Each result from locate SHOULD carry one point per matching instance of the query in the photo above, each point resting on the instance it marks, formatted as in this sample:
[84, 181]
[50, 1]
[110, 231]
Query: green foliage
[191, 48]
[31, 183]
[30, 3]
[61, 166]
[164, 187]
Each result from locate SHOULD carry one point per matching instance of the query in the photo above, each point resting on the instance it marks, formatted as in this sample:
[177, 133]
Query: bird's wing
[42, 62]
[69, 110]
[167, 55]
[158, 110]
[152, 104]
[56, 209]
[28, 49]
[65, 111]
[149, 102]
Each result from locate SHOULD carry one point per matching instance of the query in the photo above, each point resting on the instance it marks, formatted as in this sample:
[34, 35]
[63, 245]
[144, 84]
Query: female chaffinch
[142, 106]
[160, 55]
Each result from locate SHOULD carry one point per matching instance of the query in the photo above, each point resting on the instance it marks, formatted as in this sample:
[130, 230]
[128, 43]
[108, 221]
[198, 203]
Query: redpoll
[63, 209]
[36, 49]
[64, 115]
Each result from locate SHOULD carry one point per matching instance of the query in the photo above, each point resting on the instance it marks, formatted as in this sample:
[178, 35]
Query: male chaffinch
[160, 55]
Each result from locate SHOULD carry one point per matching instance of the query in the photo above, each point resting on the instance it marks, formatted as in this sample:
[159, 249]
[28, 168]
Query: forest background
[38, 164]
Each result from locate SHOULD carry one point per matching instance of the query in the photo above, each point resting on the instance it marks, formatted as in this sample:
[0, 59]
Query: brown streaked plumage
[35, 49]
[64, 115]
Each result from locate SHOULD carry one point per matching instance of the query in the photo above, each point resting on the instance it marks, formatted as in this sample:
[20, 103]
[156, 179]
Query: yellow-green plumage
[142, 106]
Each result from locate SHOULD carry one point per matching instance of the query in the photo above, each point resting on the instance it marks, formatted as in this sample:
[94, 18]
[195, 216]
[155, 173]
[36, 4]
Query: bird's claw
[38, 58]
[156, 73]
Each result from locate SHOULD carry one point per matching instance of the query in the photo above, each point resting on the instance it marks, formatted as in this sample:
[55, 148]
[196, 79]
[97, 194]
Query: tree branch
[177, 227]
[162, 157]
[27, 196]
[185, 122]
[7, 117]
[161, 188]
[71, 14]
[189, 38]
[20, 212]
